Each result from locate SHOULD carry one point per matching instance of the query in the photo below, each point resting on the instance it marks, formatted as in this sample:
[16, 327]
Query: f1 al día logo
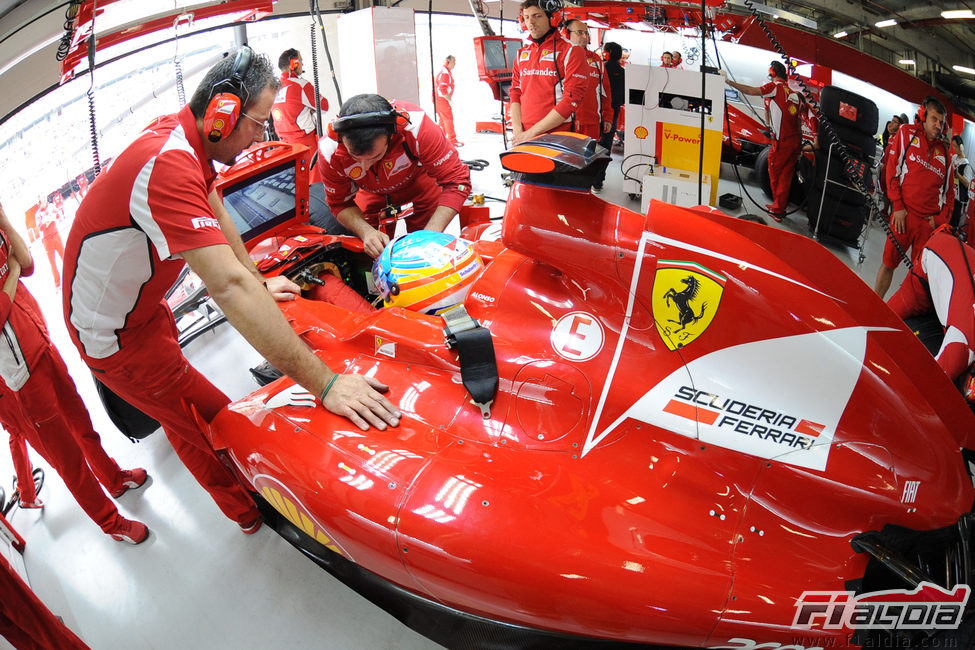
[929, 607]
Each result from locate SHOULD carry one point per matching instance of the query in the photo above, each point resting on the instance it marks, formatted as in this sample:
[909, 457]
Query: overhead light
[886, 23]
[840, 34]
[958, 13]
[961, 68]
[907, 62]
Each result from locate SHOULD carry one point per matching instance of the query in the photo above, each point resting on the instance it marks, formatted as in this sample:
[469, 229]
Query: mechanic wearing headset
[296, 121]
[380, 153]
[782, 107]
[666, 60]
[147, 215]
[920, 186]
[549, 78]
[942, 282]
[445, 95]
[594, 117]
[39, 402]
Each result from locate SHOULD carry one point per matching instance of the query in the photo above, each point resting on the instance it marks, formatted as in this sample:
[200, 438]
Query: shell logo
[641, 132]
[356, 172]
[284, 501]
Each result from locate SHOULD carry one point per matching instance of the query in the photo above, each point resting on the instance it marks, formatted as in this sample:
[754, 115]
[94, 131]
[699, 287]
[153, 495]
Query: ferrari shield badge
[685, 299]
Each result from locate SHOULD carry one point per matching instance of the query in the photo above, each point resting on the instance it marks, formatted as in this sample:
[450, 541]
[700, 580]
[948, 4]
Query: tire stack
[844, 209]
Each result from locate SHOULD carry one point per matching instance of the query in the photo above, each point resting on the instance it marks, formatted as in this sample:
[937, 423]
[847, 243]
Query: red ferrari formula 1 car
[704, 432]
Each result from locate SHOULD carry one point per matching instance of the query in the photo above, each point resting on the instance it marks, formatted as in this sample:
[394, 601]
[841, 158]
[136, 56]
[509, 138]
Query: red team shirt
[24, 336]
[418, 160]
[539, 86]
[445, 83]
[596, 106]
[123, 254]
[294, 111]
[782, 106]
[920, 175]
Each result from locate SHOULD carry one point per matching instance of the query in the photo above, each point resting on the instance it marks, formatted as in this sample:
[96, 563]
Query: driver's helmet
[426, 271]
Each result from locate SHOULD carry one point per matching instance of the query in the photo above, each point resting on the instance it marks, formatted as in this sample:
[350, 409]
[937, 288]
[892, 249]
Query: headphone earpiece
[224, 108]
[392, 120]
[922, 113]
[294, 64]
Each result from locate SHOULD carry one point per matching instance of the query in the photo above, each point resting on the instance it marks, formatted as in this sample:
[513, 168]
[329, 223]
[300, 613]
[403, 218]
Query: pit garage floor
[198, 582]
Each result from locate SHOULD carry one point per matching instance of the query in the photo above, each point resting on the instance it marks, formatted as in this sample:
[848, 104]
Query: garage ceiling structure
[921, 33]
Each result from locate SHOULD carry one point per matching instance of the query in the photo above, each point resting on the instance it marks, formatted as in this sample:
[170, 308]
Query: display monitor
[500, 54]
[262, 201]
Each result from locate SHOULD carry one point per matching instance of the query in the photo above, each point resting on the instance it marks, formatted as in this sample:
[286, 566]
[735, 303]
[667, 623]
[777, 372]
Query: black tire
[761, 171]
[838, 103]
[859, 144]
[841, 220]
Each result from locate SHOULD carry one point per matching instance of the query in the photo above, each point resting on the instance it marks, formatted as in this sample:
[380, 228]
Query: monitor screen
[263, 201]
[495, 50]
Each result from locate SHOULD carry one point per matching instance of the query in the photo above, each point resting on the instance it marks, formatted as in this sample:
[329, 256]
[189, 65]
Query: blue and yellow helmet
[426, 271]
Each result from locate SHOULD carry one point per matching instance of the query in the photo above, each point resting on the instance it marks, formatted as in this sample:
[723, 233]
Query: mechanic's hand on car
[374, 242]
[360, 399]
[517, 137]
[281, 288]
[898, 219]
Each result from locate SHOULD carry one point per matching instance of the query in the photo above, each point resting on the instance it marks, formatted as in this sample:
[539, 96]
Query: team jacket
[126, 243]
[24, 333]
[919, 175]
[294, 110]
[418, 148]
[597, 104]
[782, 106]
[552, 73]
[445, 83]
[949, 292]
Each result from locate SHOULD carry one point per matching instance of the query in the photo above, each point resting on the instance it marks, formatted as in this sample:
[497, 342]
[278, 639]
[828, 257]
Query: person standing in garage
[920, 187]
[594, 116]
[39, 401]
[146, 217]
[782, 106]
[549, 79]
[445, 98]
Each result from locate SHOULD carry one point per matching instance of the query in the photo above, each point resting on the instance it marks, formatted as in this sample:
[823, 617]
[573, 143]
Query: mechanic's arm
[373, 240]
[516, 126]
[440, 218]
[280, 287]
[253, 313]
[18, 247]
[898, 212]
[745, 88]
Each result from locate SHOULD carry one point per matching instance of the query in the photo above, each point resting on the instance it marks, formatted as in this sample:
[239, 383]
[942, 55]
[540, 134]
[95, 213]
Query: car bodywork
[697, 419]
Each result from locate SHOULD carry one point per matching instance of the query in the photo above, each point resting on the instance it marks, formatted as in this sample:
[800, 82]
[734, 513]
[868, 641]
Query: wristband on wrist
[328, 386]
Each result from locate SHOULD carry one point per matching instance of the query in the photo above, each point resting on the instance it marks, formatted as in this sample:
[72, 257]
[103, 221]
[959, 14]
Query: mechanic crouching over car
[378, 154]
[150, 213]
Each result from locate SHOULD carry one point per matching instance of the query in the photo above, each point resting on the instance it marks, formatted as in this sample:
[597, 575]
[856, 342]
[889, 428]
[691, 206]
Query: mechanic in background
[678, 60]
[920, 187]
[782, 106]
[380, 154]
[295, 115]
[445, 95]
[594, 117]
[617, 90]
[549, 79]
[961, 172]
[155, 210]
[942, 282]
[39, 401]
[666, 60]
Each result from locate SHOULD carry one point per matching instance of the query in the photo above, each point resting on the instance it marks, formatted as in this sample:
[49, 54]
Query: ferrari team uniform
[39, 402]
[445, 112]
[596, 105]
[420, 166]
[25, 621]
[295, 112]
[782, 107]
[549, 73]
[949, 292]
[51, 239]
[123, 254]
[920, 180]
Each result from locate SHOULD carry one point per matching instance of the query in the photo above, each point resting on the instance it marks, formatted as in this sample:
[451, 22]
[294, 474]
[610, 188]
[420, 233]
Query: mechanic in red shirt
[445, 97]
[46, 219]
[294, 111]
[595, 116]
[549, 79]
[920, 186]
[782, 106]
[154, 210]
[942, 282]
[39, 401]
[381, 153]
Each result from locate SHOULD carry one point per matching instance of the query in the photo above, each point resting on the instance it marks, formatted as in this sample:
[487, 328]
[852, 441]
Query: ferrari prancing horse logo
[685, 300]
